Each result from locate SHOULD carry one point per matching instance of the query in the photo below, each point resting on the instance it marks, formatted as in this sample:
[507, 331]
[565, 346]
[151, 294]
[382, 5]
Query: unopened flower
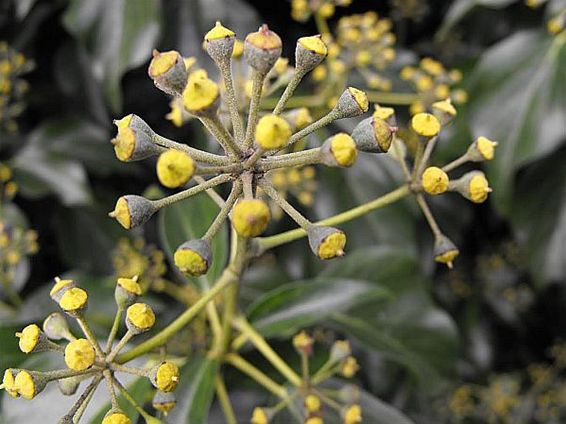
[303, 343]
[482, 149]
[262, 49]
[60, 287]
[259, 416]
[175, 168]
[116, 417]
[435, 180]
[164, 402]
[29, 338]
[386, 114]
[140, 317]
[326, 242]
[9, 381]
[201, 94]
[349, 367]
[127, 290]
[219, 43]
[250, 217]
[134, 140]
[444, 111]
[132, 211]
[309, 53]
[473, 186]
[168, 71]
[373, 135]
[352, 102]
[55, 327]
[272, 132]
[165, 376]
[352, 414]
[312, 403]
[340, 350]
[74, 301]
[79, 355]
[425, 124]
[193, 257]
[298, 118]
[340, 150]
[29, 384]
[445, 251]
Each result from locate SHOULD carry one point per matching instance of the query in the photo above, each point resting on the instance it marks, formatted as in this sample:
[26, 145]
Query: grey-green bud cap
[168, 71]
[262, 49]
[132, 211]
[373, 135]
[194, 257]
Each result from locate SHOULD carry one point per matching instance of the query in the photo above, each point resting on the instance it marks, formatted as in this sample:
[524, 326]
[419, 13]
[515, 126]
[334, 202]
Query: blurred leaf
[118, 34]
[188, 220]
[540, 195]
[376, 411]
[519, 101]
[299, 304]
[10, 354]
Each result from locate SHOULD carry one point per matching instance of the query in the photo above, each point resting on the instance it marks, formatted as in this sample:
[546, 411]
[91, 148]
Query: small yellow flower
[200, 93]
[459, 96]
[442, 91]
[343, 149]
[478, 188]
[431, 66]
[73, 299]
[445, 251]
[303, 342]
[8, 383]
[360, 97]
[218, 32]
[416, 108]
[486, 147]
[167, 377]
[363, 58]
[176, 113]
[314, 44]
[259, 416]
[79, 355]
[353, 414]
[175, 168]
[332, 246]
[60, 285]
[141, 316]
[130, 285]
[162, 62]
[29, 337]
[555, 25]
[424, 83]
[445, 106]
[383, 113]
[190, 261]
[25, 385]
[326, 10]
[116, 418]
[312, 403]
[272, 132]
[425, 124]
[122, 213]
[250, 217]
[349, 367]
[434, 180]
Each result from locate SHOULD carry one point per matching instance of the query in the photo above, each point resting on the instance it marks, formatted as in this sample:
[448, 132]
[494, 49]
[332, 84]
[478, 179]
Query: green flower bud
[56, 327]
[326, 242]
[69, 386]
[339, 150]
[132, 211]
[134, 140]
[168, 72]
[127, 291]
[164, 402]
[262, 49]
[309, 53]
[373, 135]
[219, 43]
[445, 251]
[352, 102]
[194, 257]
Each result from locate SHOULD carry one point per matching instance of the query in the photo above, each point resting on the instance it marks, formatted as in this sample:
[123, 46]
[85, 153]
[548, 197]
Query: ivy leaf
[118, 35]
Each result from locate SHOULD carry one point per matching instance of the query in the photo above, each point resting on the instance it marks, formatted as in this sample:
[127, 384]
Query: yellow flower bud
[310, 51]
[259, 416]
[425, 124]
[384, 113]
[340, 150]
[435, 180]
[116, 418]
[74, 300]
[162, 62]
[166, 377]
[164, 402]
[444, 111]
[314, 420]
[298, 118]
[349, 367]
[340, 350]
[60, 287]
[459, 96]
[127, 290]
[168, 71]
[407, 73]
[130, 285]
[200, 95]
[25, 385]
[353, 414]
[445, 251]
[314, 44]
[363, 58]
[193, 257]
[262, 49]
[373, 135]
[174, 168]
[8, 383]
[479, 188]
[326, 242]
[132, 211]
[312, 403]
[303, 343]
[218, 32]
[326, 10]
[29, 338]
[140, 317]
[482, 149]
[319, 73]
[360, 97]
[416, 108]
[79, 355]
[272, 132]
[250, 217]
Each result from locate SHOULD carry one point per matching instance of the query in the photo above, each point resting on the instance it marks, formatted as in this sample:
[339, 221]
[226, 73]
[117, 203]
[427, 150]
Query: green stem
[215, 127]
[289, 90]
[456, 163]
[221, 169]
[305, 157]
[322, 122]
[110, 387]
[428, 215]
[285, 205]
[128, 370]
[84, 397]
[196, 154]
[90, 336]
[224, 400]
[237, 124]
[114, 329]
[211, 192]
[255, 374]
[257, 86]
[121, 344]
[224, 211]
[185, 194]
[265, 243]
[426, 157]
[148, 418]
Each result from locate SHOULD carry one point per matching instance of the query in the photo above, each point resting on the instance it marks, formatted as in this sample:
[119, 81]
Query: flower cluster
[557, 21]
[302, 10]
[8, 188]
[87, 359]
[317, 400]
[433, 82]
[12, 88]
[251, 152]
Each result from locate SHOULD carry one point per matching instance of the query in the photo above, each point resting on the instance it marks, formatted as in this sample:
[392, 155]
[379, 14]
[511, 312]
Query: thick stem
[265, 243]
[211, 192]
[306, 157]
[221, 169]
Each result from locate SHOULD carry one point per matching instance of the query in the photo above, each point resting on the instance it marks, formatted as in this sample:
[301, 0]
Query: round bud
[132, 211]
[434, 180]
[56, 327]
[9, 382]
[29, 383]
[116, 417]
[445, 251]
[349, 367]
[193, 257]
[373, 135]
[298, 118]
[352, 102]
[139, 318]
[250, 217]
[482, 149]
[164, 402]
[425, 124]
[32, 339]
[326, 242]
[201, 95]
[339, 150]
[69, 386]
[312, 403]
[272, 132]
[386, 114]
[168, 72]
[174, 168]
[473, 186]
[303, 343]
[262, 49]
[352, 414]
[74, 301]
[259, 416]
[165, 376]
[134, 140]
[127, 291]
[79, 355]
[340, 350]
[60, 287]
[444, 111]
[219, 43]
[309, 53]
